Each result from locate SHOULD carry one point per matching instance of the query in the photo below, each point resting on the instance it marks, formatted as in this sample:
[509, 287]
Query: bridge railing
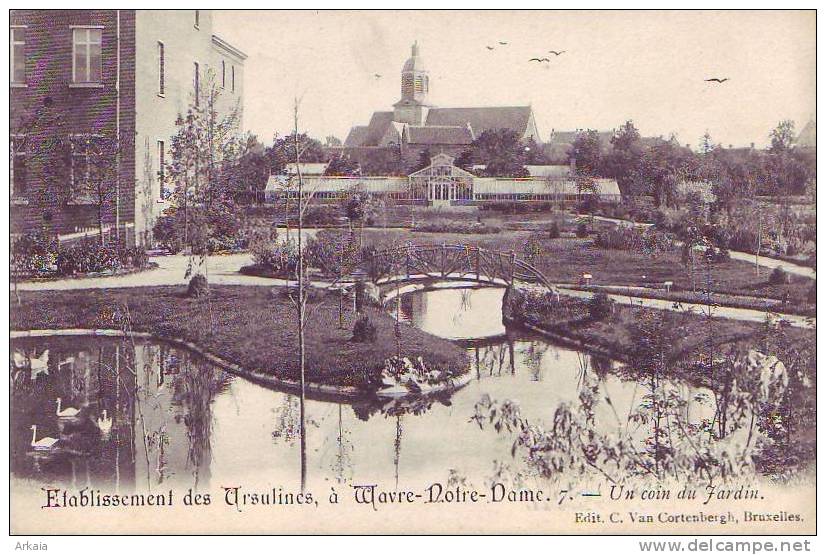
[448, 259]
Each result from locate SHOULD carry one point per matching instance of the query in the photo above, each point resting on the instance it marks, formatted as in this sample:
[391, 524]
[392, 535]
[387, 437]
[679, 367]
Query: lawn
[255, 327]
[564, 260]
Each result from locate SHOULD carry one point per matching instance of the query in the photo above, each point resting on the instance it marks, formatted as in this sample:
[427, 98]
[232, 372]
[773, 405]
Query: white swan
[40, 365]
[44, 443]
[20, 359]
[68, 412]
[105, 424]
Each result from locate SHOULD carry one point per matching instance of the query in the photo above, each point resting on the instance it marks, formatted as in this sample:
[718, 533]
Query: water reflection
[178, 421]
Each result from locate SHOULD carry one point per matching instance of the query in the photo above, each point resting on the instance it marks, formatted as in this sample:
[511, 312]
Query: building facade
[95, 95]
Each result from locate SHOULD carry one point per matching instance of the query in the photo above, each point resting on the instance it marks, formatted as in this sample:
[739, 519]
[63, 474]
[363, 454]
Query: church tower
[413, 106]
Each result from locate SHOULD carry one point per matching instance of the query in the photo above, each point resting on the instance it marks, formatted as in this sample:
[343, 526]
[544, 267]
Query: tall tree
[285, 150]
[502, 152]
[782, 137]
[204, 151]
[342, 164]
[621, 162]
[586, 151]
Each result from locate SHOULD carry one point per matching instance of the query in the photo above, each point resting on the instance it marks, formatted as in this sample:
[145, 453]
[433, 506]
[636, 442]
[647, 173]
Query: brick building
[92, 85]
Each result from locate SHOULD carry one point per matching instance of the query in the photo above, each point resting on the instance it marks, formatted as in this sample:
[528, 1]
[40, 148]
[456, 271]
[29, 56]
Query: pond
[174, 420]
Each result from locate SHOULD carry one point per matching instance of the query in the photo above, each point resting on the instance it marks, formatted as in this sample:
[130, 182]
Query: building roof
[568, 137]
[227, 47]
[439, 135]
[482, 119]
[808, 136]
[561, 170]
[307, 168]
[357, 135]
[456, 124]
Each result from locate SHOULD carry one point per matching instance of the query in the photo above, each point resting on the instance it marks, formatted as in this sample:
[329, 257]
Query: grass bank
[254, 327]
[564, 260]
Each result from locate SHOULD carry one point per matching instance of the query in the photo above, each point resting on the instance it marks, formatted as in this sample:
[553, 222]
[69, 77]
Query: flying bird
[502, 43]
[377, 75]
[489, 47]
[539, 60]
[717, 80]
[556, 52]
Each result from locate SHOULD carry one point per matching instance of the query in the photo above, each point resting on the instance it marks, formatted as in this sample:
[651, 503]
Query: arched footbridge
[451, 262]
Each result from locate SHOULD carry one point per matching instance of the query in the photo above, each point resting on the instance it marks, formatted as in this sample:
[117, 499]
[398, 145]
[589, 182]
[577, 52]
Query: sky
[646, 66]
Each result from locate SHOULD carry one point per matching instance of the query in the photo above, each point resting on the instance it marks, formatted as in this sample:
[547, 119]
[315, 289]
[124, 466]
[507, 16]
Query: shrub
[649, 241]
[363, 330]
[581, 230]
[35, 254]
[600, 306]
[811, 296]
[220, 229]
[468, 228]
[532, 247]
[40, 256]
[553, 231]
[198, 286]
[778, 276]
[335, 252]
[277, 257]
[321, 215]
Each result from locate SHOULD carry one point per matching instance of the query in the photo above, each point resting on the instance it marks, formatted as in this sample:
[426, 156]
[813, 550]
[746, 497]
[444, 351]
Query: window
[197, 83]
[223, 74]
[164, 193]
[86, 60]
[233, 78]
[83, 148]
[197, 19]
[17, 46]
[161, 76]
[17, 165]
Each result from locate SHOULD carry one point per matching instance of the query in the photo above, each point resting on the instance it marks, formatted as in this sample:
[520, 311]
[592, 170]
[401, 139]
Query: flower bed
[40, 256]
[467, 228]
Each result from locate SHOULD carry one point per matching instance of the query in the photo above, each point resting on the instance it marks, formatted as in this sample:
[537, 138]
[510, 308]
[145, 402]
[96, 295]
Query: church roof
[357, 135]
[439, 135]
[445, 125]
[482, 119]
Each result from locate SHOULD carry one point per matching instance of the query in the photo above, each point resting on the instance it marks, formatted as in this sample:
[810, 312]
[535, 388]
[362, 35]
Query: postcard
[412, 272]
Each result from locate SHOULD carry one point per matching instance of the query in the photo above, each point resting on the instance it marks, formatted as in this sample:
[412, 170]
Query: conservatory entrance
[442, 183]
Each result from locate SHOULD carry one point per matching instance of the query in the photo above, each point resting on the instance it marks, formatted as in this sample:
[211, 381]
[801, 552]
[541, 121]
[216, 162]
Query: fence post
[444, 252]
[478, 251]
[513, 264]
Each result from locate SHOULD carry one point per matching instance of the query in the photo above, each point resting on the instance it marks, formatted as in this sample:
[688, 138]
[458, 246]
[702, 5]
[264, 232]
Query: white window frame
[77, 193]
[161, 69]
[22, 45]
[87, 43]
[162, 194]
[14, 153]
[196, 81]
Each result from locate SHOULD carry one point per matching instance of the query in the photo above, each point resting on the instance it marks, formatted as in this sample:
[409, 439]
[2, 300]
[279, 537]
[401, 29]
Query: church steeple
[412, 108]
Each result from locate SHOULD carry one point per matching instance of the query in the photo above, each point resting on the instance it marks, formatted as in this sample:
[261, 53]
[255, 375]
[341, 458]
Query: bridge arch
[451, 262]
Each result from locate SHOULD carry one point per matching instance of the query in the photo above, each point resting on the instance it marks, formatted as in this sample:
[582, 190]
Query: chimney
[752, 146]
